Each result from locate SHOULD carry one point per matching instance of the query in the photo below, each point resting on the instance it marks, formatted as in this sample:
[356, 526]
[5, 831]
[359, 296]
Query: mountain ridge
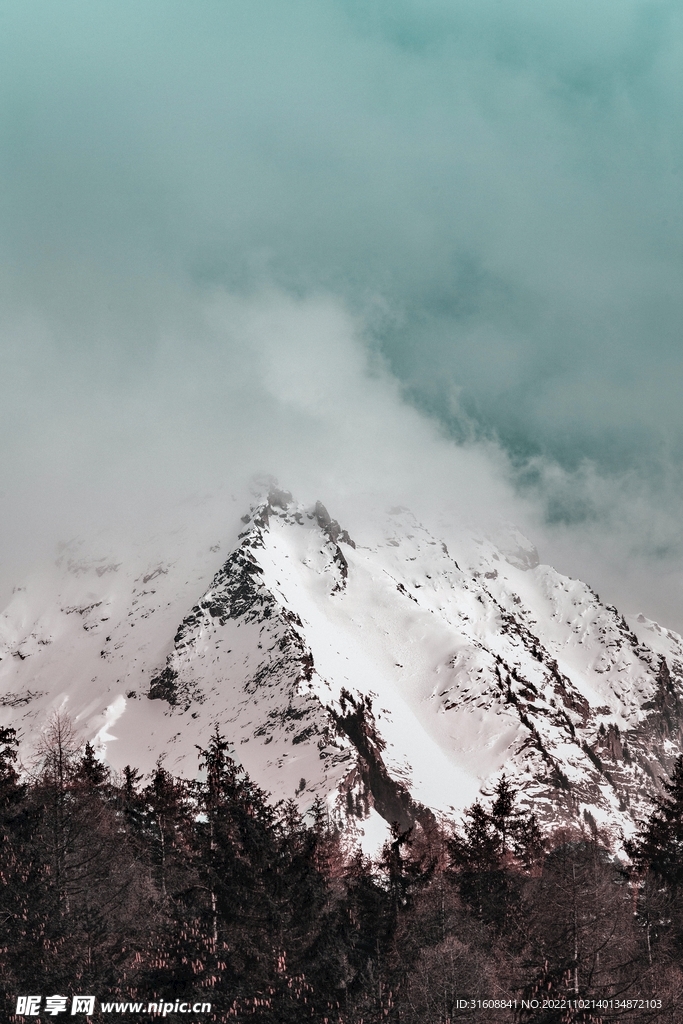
[390, 676]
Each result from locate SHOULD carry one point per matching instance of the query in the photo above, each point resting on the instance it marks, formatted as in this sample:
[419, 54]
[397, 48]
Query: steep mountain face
[390, 676]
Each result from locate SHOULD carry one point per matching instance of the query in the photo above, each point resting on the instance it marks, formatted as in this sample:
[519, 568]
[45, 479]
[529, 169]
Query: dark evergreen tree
[131, 804]
[17, 883]
[478, 856]
[10, 790]
[657, 856]
[504, 815]
[658, 847]
[89, 771]
[167, 811]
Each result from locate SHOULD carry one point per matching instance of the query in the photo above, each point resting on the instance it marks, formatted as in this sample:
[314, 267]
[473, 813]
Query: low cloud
[416, 247]
[275, 384]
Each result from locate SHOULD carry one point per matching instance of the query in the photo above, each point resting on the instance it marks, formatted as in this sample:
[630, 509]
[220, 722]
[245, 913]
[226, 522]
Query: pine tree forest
[169, 888]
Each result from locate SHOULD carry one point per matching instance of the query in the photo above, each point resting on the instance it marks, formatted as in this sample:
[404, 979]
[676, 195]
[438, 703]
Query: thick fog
[428, 251]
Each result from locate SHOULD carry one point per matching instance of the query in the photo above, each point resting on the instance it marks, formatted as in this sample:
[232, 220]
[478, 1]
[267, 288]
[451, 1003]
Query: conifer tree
[489, 852]
[15, 881]
[657, 856]
[659, 845]
[503, 814]
[132, 805]
[10, 791]
[165, 811]
[91, 772]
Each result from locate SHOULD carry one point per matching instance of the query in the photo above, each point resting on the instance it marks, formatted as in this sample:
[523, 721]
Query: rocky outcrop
[390, 797]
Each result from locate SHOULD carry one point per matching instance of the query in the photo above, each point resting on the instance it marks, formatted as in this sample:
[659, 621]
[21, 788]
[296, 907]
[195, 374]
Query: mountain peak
[389, 678]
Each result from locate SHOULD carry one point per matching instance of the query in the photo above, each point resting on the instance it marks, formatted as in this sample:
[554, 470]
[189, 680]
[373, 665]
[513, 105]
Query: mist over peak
[422, 251]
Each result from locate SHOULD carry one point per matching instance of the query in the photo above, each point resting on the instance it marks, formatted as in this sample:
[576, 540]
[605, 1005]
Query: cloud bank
[421, 247]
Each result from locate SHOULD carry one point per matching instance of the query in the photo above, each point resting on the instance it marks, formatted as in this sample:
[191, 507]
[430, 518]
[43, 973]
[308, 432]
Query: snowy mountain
[386, 673]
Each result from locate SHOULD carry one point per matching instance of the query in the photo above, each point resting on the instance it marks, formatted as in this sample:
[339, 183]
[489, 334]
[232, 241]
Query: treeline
[164, 889]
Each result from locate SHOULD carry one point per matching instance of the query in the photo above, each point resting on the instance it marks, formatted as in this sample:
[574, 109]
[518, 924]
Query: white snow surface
[466, 661]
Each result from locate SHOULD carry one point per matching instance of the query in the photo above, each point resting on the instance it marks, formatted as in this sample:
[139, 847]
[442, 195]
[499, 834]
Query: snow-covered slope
[384, 672]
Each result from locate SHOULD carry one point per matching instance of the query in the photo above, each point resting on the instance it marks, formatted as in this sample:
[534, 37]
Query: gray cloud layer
[261, 235]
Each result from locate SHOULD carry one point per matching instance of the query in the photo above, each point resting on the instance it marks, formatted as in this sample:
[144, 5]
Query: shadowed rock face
[390, 797]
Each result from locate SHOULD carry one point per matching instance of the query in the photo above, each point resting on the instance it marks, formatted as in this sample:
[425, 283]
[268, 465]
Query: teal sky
[481, 199]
